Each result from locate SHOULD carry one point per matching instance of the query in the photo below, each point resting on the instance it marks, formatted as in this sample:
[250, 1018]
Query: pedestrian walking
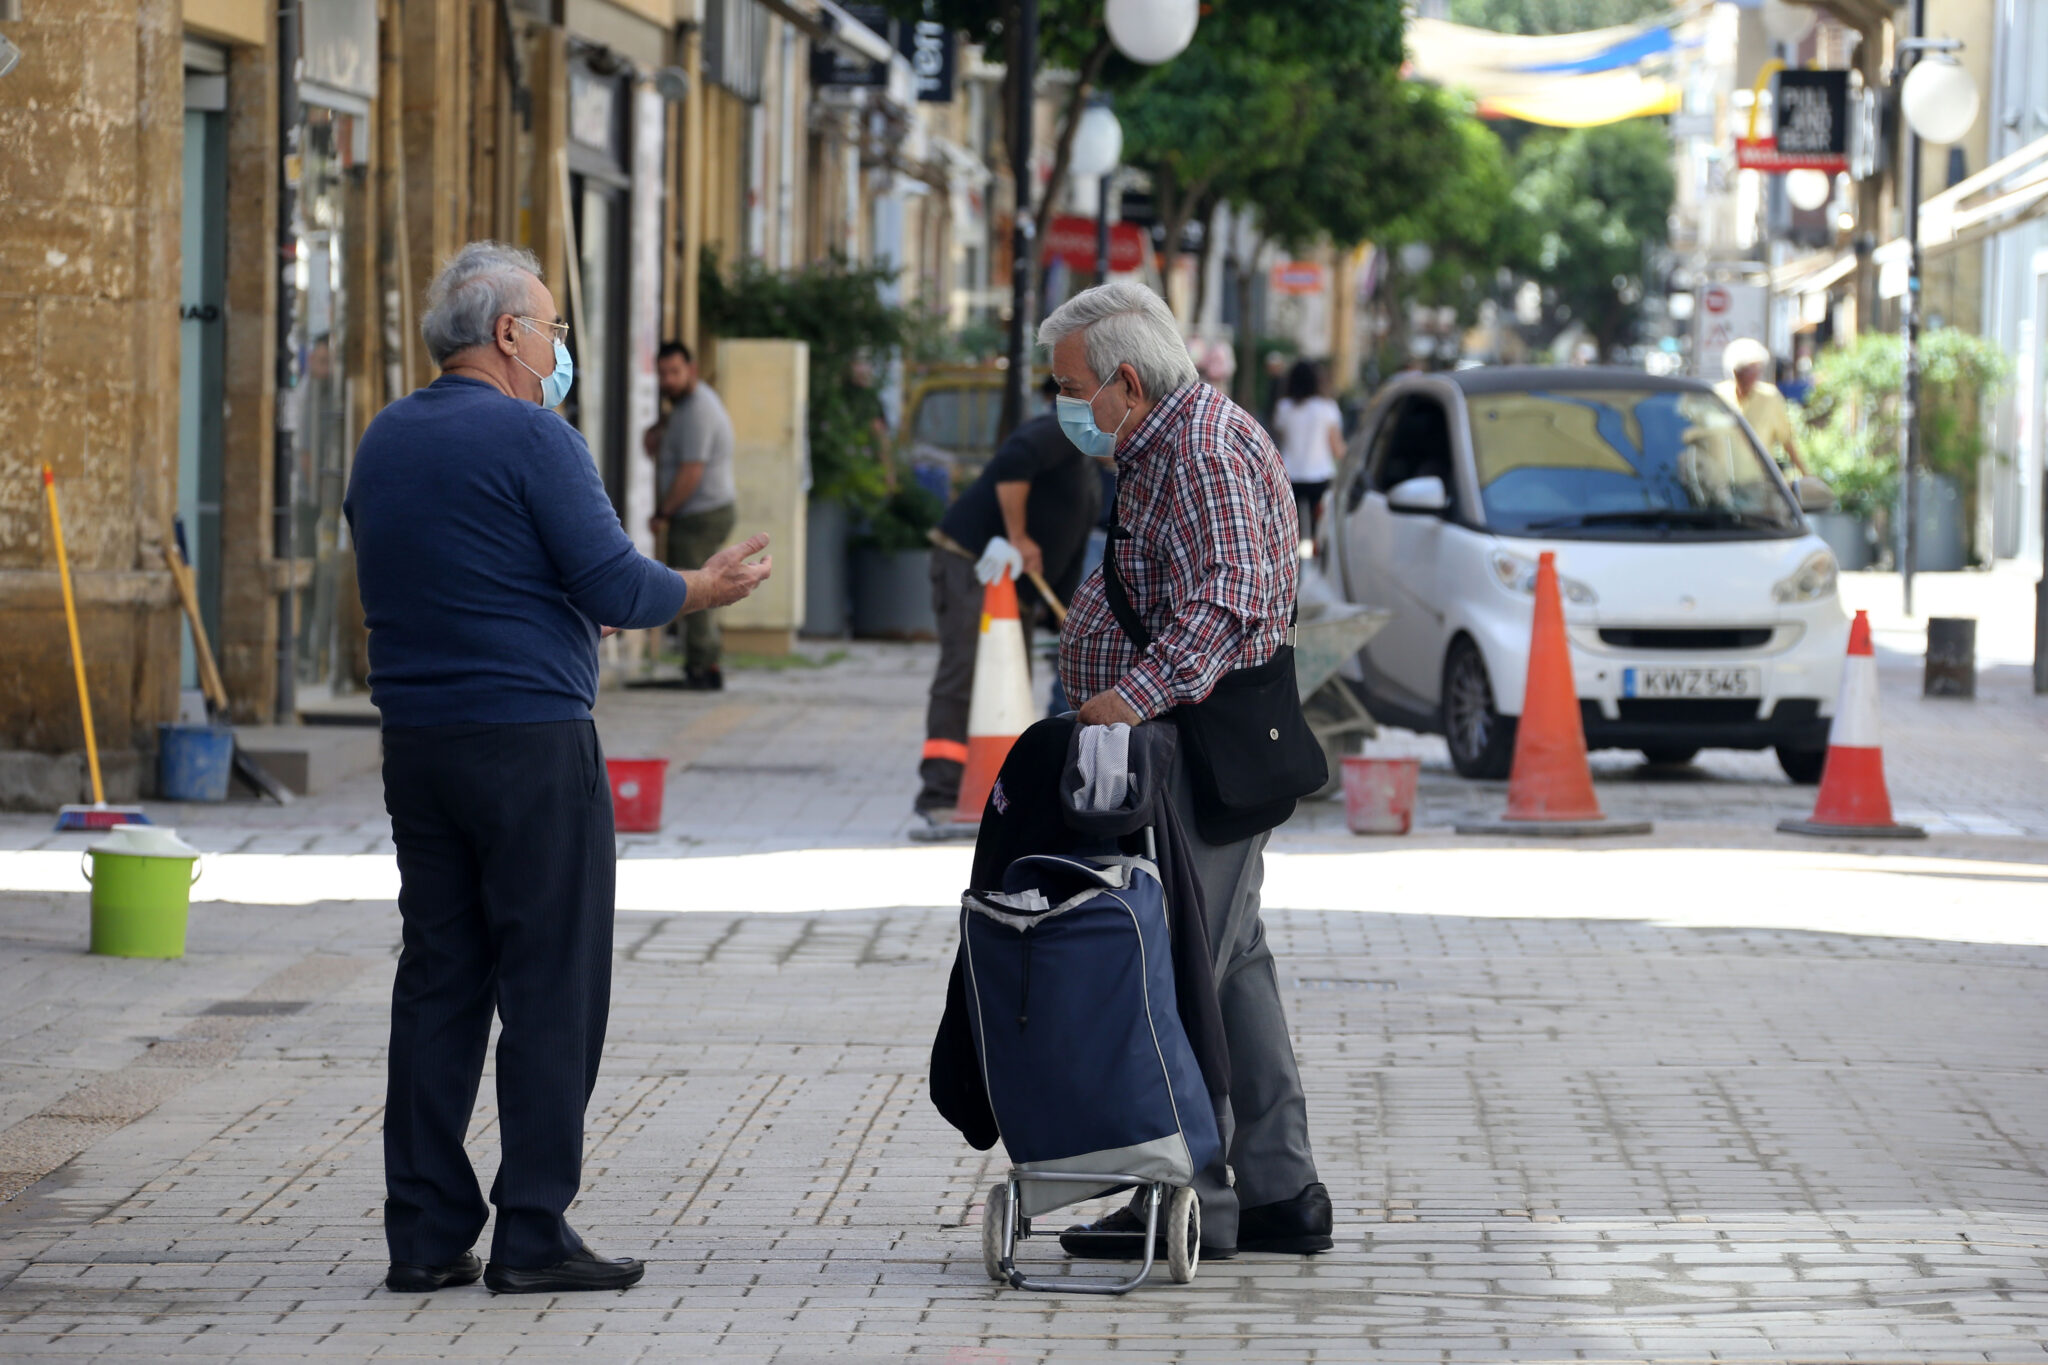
[1759, 402]
[1309, 430]
[1207, 561]
[490, 561]
[1029, 511]
[694, 499]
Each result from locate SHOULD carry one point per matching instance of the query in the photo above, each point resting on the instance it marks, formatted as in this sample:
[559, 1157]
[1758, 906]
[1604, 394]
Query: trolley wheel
[992, 1218]
[1183, 1235]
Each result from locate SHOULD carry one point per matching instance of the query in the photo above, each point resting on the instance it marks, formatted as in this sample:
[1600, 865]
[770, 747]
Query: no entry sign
[1071, 238]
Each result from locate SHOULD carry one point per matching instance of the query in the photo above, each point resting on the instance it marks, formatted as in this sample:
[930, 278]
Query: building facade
[217, 220]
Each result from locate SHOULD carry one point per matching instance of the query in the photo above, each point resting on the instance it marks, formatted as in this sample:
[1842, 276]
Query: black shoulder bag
[1248, 747]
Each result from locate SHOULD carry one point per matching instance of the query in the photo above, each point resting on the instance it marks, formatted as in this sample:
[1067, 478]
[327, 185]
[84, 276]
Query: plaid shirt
[1210, 568]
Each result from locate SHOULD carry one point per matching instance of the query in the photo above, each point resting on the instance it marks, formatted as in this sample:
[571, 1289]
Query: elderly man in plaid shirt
[1211, 567]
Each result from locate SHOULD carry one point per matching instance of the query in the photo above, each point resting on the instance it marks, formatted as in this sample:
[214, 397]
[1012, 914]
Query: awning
[2003, 195]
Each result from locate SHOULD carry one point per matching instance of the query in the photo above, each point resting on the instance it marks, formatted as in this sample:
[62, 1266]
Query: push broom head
[99, 817]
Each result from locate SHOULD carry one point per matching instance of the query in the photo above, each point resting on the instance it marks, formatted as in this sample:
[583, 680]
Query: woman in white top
[1310, 434]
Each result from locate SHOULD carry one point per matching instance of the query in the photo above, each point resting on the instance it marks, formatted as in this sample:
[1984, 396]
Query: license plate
[1691, 682]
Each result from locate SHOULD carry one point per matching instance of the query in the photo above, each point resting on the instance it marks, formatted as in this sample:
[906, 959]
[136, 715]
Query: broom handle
[1051, 598]
[92, 748]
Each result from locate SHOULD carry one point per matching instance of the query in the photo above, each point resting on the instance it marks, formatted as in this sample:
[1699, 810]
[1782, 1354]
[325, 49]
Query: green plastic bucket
[141, 878]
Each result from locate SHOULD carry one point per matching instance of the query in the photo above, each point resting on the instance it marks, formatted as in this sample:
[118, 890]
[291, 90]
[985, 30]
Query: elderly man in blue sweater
[490, 562]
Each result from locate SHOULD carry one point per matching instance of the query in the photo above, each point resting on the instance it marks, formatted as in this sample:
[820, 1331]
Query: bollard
[1951, 657]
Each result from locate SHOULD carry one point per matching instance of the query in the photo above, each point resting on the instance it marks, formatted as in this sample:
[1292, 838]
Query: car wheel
[1481, 739]
[1802, 765]
[1672, 756]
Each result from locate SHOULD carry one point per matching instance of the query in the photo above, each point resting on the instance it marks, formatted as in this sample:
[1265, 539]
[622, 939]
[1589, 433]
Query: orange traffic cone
[1550, 789]
[1000, 706]
[1853, 802]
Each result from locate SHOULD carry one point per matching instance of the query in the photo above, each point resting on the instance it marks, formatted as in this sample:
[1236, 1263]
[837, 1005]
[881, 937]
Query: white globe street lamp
[1098, 143]
[1152, 31]
[1939, 98]
[1788, 23]
[1809, 189]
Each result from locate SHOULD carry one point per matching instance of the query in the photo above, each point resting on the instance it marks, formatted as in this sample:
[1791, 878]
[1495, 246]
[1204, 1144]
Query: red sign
[1071, 239]
[1297, 277]
[1762, 154]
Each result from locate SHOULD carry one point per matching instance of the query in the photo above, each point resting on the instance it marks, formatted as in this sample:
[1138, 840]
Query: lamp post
[1938, 103]
[1023, 230]
[1098, 146]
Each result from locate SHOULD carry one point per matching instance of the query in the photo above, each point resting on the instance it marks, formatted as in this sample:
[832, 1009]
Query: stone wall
[90, 192]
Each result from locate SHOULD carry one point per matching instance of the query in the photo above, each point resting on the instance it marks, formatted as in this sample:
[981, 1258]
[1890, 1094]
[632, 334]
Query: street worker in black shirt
[1030, 511]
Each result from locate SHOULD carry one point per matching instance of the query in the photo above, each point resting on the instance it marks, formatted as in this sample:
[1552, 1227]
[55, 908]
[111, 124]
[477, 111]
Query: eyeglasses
[559, 329]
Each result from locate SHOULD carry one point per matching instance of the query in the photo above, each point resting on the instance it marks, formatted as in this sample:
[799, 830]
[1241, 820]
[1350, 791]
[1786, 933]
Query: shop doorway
[201, 338]
[600, 203]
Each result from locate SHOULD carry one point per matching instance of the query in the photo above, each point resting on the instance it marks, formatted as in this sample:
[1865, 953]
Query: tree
[1252, 96]
[1599, 199]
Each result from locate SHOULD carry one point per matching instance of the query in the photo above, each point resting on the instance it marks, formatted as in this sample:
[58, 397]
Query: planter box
[827, 577]
[1943, 540]
[1848, 536]
[892, 595]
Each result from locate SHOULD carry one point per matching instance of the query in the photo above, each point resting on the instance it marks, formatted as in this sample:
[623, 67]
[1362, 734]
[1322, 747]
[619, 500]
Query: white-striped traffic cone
[1853, 802]
[1000, 707]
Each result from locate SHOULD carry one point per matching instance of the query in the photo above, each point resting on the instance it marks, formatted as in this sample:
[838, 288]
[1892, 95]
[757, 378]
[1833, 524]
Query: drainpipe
[283, 465]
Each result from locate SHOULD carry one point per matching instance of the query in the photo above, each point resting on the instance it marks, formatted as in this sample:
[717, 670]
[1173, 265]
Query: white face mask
[1077, 420]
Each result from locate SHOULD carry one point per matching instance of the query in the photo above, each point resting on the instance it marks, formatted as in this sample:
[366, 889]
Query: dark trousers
[692, 539]
[505, 865]
[956, 605]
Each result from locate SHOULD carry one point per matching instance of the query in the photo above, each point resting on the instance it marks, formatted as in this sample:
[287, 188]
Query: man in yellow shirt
[1760, 404]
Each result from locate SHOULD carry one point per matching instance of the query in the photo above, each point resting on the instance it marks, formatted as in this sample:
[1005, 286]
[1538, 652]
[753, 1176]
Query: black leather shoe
[406, 1278]
[584, 1270]
[1120, 1236]
[1300, 1225]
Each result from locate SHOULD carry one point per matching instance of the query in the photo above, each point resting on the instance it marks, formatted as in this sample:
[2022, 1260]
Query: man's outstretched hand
[727, 576]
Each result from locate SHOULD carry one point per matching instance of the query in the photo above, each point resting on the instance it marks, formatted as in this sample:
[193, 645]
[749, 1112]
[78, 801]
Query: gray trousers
[1265, 1131]
[956, 607]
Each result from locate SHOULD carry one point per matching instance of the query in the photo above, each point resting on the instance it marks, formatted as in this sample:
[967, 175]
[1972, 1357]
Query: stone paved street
[1718, 1094]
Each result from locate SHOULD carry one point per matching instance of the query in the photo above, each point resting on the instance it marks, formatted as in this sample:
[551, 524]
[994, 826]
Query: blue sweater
[488, 555]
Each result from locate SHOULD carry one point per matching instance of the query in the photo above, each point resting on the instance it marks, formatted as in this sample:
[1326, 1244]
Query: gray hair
[478, 285]
[1125, 324]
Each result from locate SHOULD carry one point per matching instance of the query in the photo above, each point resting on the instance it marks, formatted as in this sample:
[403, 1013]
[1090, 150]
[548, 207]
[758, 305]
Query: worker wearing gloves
[1028, 512]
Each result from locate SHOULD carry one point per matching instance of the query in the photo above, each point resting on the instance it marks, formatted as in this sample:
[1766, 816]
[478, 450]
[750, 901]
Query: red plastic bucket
[1379, 794]
[636, 792]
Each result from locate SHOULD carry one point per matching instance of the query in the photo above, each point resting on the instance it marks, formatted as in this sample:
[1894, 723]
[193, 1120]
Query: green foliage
[1598, 200]
[1849, 430]
[903, 519]
[1253, 95]
[839, 310]
[1553, 16]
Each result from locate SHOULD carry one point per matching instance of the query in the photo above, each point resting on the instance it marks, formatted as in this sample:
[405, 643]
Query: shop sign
[338, 46]
[834, 65]
[1071, 238]
[1297, 277]
[929, 48]
[1811, 126]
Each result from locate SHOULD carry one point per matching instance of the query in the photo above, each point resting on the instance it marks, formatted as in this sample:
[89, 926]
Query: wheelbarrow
[1322, 642]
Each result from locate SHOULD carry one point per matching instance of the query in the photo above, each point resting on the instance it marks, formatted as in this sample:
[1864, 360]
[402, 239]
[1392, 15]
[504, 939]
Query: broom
[99, 815]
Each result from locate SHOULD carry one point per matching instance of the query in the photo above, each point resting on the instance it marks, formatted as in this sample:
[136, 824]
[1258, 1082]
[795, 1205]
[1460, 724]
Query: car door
[1406, 551]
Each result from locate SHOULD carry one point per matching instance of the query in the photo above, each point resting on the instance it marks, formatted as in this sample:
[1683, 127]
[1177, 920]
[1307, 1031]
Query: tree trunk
[1249, 372]
[1205, 214]
[1174, 211]
[1063, 149]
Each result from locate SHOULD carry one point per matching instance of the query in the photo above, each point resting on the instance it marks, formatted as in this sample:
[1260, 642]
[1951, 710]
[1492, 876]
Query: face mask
[1077, 419]
[554, 386]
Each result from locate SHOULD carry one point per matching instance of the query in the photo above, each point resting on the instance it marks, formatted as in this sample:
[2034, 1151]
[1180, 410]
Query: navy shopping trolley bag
[1069, 978]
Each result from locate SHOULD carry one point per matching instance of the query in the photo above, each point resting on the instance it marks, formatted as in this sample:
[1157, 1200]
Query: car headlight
[1518, 574]
[1812, 581]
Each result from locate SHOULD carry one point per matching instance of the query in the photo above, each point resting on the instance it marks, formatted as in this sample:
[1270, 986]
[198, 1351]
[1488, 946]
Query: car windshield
[1622, 464]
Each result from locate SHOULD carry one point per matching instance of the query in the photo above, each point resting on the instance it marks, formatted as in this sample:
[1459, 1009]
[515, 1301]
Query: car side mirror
[1813, 494]
[1423, 494]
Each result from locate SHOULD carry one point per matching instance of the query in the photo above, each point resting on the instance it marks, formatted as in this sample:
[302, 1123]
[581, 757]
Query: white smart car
[1701, 608]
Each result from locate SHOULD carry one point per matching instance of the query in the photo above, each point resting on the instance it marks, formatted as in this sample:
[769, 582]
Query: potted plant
[892, 567]
[1849, 433]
